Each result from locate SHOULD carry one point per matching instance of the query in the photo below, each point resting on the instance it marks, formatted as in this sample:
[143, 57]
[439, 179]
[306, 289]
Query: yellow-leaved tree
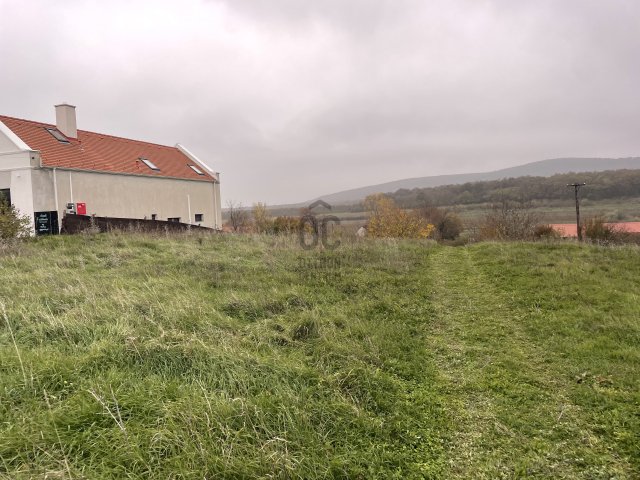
[261, 218]
[386, 219]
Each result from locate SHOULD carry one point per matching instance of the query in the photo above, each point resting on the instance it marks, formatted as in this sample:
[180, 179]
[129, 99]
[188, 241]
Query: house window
[5, 195]
[154, 216]
[149, 164]
[196, 169]
[57, 135]
[199, 217]
[174, 219]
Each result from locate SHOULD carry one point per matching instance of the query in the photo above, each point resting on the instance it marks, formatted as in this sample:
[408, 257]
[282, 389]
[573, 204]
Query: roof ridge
[92, 132]
[27, 120]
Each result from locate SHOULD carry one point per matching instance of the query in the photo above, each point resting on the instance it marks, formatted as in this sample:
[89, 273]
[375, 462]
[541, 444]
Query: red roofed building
[46, 168]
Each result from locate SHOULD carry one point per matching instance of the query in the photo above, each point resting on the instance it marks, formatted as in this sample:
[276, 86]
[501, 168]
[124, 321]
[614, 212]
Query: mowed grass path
[540, 348]
[246, 357]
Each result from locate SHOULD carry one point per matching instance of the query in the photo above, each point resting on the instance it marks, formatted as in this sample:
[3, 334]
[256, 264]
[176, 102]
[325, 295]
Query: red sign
[81, 208]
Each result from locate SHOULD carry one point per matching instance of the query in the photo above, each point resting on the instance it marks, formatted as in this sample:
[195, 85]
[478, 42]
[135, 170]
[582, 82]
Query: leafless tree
[510, 221]
[238, 216]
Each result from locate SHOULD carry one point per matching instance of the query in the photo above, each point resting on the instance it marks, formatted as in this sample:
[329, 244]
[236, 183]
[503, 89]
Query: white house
[46, 167]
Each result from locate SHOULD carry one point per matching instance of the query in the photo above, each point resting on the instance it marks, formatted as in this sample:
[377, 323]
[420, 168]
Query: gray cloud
[292, 99]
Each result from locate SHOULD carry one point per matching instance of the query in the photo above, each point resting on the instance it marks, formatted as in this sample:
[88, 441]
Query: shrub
[597, 230]
[264, 223]
[509, 221]
[284, 225]
[261, 218]
[447, 225]
[451, 227]
[544, 230]
[386, 219]
[12, 224]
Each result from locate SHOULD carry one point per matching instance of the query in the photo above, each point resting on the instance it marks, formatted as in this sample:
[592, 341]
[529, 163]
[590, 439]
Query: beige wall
[128, 196]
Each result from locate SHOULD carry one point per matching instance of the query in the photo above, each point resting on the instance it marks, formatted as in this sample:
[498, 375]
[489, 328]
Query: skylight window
[57, 135]
[150, 164]
[196, 169]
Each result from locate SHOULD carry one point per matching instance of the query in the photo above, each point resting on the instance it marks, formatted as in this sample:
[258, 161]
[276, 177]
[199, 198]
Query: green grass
[247, 357]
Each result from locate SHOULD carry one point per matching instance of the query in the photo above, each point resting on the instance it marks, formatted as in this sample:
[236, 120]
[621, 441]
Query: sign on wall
[46, 223]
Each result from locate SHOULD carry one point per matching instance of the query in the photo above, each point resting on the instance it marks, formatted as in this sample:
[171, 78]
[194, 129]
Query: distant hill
[543, 168]
[603, 185]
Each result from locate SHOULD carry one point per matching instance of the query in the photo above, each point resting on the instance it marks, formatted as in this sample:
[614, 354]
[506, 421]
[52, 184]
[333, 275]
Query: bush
[509, 221]
[447, 225]
[284, 225]
[386, 219]
[261, 218]
[264, 223]
[597, 230]
[12, 224]
[545, 231]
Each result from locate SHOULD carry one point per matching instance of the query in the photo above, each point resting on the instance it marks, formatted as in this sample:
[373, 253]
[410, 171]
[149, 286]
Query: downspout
[189, 207]
[55, 194]
[71, 187]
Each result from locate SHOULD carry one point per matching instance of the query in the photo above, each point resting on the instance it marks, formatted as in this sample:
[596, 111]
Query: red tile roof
[570, 230]
[104, 153]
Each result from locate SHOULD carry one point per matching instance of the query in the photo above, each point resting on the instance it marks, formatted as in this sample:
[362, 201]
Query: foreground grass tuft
[244, 357]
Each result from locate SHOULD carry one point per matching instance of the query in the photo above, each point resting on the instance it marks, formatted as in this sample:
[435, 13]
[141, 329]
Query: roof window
[150, 164]
[196, 169]
[57, 135]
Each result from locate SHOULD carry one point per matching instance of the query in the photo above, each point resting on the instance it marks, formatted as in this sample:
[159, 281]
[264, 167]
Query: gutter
[194, 159]
[157, 177]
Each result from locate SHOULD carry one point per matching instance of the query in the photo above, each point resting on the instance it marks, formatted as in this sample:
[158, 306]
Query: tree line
[601, 185]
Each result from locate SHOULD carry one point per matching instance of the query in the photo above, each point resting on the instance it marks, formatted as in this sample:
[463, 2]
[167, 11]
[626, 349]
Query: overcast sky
[291, 99]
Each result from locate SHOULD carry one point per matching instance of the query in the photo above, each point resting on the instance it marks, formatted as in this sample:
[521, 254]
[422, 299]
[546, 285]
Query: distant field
[617, 210]
[627, 210]
[247, 357]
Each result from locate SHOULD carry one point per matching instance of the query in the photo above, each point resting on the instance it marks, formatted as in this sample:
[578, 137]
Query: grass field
[247, 357]
[613, 210]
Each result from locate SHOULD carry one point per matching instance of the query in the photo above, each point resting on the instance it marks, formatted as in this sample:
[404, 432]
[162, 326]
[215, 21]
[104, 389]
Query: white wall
[5, 179]
[14, 153]
[9, 141]
[18, 160]
[22, 192]
[16, 165]
[6, 145]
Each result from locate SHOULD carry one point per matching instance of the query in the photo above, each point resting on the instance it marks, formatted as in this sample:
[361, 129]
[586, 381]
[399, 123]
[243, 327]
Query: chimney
[66, 120]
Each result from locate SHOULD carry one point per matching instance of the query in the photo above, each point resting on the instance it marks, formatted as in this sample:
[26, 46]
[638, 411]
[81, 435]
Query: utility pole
[576, 187]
